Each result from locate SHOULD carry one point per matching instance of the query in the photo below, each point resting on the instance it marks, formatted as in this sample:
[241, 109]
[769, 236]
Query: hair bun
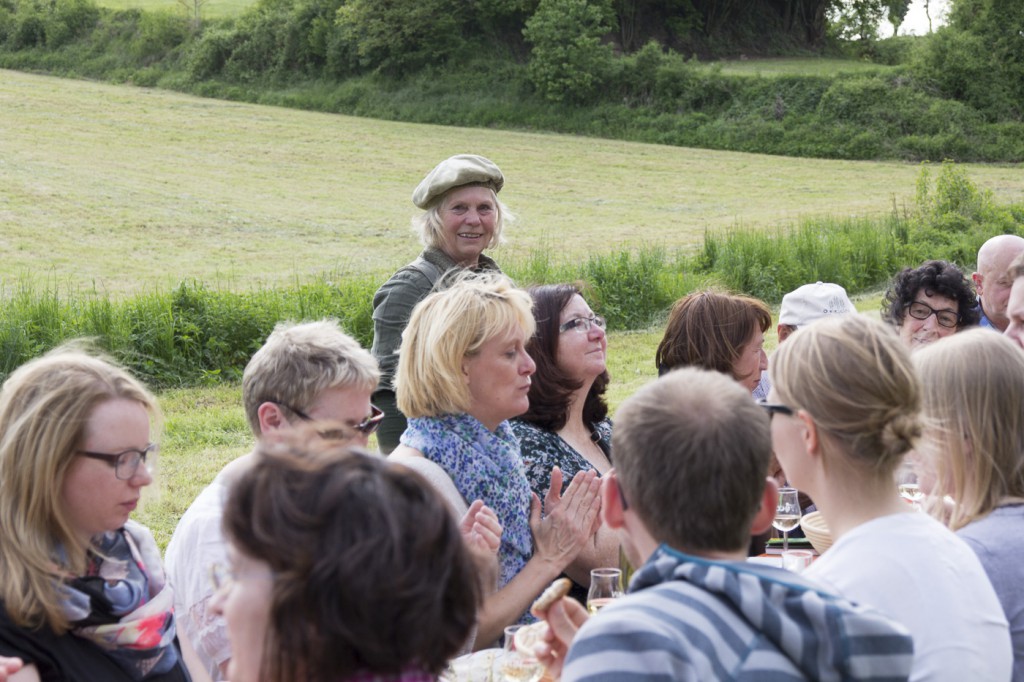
[900, 434]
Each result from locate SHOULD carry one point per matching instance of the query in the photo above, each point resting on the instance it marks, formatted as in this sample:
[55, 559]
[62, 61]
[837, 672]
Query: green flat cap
[456, 171]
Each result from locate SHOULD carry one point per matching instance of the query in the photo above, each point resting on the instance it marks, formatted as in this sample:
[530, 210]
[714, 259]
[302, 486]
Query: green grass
[796, 66]
[129, 189]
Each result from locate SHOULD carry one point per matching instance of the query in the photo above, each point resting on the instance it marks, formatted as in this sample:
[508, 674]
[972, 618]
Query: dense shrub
[401, 36]
[159, 33]
[569, 61]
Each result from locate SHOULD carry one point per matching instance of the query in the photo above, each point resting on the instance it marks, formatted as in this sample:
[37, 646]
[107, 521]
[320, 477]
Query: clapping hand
[571, 520]
[481, 531]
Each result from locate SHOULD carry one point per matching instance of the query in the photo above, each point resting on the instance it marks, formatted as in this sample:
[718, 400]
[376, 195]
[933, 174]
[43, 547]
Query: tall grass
[195, 334]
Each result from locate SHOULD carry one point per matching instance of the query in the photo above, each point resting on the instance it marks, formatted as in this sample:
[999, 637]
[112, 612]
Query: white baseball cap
[812, 302]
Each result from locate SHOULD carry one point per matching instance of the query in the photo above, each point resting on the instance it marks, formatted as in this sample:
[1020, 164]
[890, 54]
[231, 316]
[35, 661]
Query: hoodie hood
[824, 636]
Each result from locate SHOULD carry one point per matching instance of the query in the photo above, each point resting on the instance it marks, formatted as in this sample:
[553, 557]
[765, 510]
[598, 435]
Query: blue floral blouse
[486, 466]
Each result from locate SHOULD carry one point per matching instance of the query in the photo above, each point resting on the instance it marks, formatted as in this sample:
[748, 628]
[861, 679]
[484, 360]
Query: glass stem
[785, 540]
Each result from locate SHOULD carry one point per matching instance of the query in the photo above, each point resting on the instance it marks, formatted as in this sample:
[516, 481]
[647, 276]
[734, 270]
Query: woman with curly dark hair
[343, 567]
[929, 303]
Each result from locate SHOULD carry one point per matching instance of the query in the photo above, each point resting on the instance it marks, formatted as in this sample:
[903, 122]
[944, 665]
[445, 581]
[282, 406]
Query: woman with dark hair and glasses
[82, 594]
[567, 425]
[929, 303]
[342, 567]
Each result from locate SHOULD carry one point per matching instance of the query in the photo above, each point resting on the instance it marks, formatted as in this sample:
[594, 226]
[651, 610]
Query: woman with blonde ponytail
[973, 449]
[846, 403]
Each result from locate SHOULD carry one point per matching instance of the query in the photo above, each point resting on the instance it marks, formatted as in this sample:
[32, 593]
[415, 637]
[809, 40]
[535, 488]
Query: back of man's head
[692, 452]
[300, 361]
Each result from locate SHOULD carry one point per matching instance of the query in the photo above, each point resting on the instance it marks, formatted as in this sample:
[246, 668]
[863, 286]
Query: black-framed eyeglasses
[583, 324]
[776, 408]
[922, 311]
[366, 427]
[126, 463]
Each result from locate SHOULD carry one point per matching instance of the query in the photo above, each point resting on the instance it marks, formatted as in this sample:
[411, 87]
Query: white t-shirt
[915, 570]
[197, 544]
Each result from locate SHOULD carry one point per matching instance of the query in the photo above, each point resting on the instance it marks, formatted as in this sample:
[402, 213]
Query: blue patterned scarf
[123, 604]
[485, 466]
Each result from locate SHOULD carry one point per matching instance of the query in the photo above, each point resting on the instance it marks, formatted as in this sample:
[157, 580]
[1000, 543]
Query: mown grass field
[126, 188]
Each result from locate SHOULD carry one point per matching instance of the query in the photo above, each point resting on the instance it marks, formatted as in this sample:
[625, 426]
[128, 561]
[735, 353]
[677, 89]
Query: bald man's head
[992, 280]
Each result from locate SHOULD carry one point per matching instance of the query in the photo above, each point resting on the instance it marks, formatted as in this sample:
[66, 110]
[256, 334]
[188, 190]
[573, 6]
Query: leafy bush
[569, 61]
[401, 36]
[159, 33]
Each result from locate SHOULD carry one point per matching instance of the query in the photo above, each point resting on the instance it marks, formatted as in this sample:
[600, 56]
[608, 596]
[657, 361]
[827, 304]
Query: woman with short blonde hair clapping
[463, 372]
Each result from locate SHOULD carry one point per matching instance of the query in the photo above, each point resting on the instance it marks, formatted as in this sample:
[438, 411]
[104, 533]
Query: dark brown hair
[708, 329]
[935, 277]
[370, 572]
[551, 388]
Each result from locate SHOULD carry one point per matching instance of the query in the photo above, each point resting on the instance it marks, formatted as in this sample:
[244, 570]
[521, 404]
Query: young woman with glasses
[83, 595]
[929, 303]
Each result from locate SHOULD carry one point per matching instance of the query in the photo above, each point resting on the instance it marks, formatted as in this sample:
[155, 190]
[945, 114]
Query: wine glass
[787, 514]
[605, 585]
[516, 665]
[909, 488]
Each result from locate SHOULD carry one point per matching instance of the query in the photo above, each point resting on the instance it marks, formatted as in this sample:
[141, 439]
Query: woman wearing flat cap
[462, 217]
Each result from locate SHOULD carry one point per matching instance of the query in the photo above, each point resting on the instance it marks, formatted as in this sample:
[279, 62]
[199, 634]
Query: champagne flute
[516, 665]
[787, 514]
[605, 585]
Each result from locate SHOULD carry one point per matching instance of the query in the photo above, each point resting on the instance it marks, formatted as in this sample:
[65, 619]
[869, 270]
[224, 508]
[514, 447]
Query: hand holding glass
[787, 514]
[605, 585]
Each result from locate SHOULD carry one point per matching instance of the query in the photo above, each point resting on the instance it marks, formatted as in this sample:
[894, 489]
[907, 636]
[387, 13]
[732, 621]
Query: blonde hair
[430, 226]
[857, 381]
[299, 362]
[45, 406]
[447, 327]
[973, 390]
